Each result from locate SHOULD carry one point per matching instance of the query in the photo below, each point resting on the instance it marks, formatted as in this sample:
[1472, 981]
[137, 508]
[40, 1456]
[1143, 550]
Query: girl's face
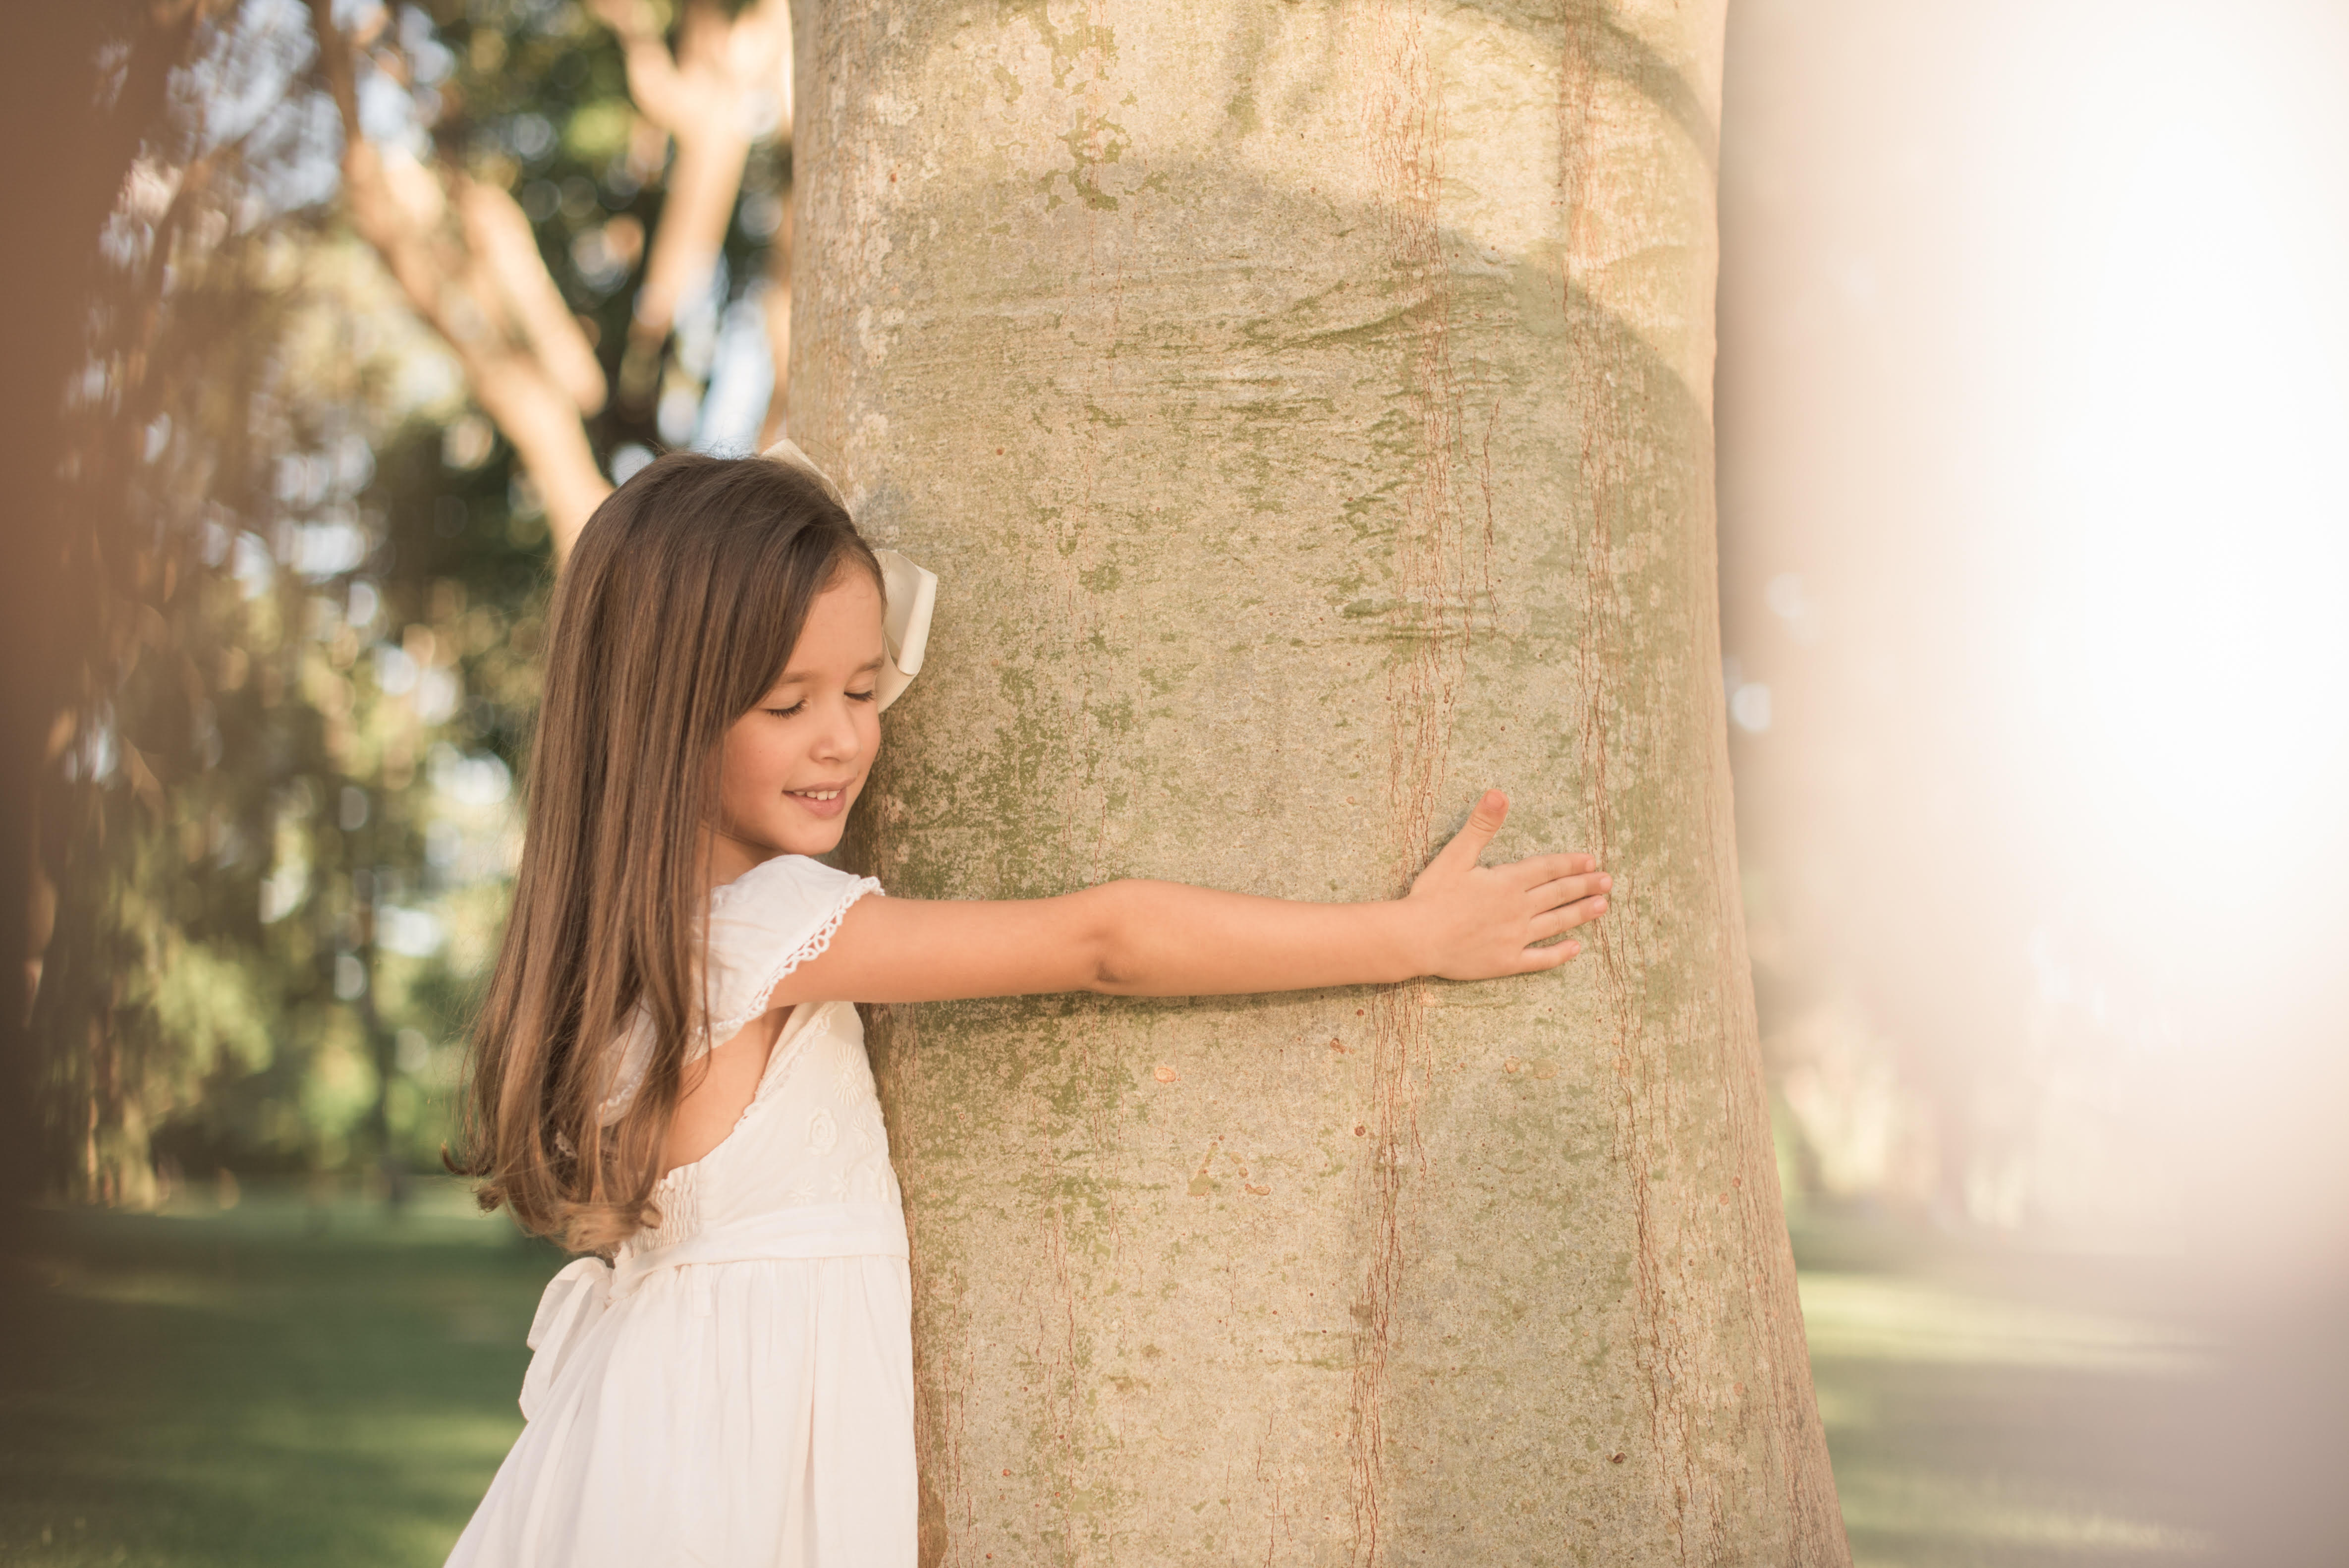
[793, 765]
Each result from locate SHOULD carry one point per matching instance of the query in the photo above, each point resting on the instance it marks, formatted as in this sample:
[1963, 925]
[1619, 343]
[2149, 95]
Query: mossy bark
[1308, 409]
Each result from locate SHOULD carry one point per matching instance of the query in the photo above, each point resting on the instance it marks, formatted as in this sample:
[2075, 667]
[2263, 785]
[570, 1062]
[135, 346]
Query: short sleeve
[762, 925]
[765, 923]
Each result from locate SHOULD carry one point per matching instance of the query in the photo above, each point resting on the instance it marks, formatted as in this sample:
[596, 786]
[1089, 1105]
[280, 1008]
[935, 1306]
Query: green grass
[275, 1384]
[286, 1382]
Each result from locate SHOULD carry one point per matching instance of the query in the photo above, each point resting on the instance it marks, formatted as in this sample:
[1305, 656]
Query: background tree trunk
[1308, 410]
[80, 90]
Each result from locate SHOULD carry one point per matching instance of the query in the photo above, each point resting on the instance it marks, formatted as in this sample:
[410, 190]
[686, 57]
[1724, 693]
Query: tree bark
[1308, 411]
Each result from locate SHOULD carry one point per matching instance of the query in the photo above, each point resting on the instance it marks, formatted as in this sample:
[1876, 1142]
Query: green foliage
[203, 997]
[281, 812]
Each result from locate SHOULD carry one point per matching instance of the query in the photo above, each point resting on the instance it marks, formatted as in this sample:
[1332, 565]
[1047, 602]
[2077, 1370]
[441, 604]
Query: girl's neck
[725, 858]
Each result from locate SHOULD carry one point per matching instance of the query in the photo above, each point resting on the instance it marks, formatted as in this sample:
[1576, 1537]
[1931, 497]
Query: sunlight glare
[2192, 647]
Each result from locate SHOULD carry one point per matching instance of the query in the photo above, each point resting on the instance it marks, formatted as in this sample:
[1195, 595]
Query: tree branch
[705, 97]
[477, 279]
[501, 236]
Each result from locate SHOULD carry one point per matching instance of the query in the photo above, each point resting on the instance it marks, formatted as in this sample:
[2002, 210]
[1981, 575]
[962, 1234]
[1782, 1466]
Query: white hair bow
[908, 593]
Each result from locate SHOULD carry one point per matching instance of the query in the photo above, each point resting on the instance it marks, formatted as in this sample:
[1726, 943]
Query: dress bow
[573, 1301]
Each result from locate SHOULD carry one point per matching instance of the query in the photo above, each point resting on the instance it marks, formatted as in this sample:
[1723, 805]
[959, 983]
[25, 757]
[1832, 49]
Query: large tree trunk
[1307, 408]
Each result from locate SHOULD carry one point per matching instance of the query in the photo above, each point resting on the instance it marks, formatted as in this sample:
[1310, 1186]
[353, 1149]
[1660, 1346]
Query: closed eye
[801, 707]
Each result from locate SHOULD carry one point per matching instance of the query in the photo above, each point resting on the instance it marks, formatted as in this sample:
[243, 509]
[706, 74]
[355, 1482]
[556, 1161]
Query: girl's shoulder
[765, 923]
[762, 925]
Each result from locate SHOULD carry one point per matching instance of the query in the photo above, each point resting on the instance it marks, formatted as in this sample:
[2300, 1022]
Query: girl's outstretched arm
[1459, 919]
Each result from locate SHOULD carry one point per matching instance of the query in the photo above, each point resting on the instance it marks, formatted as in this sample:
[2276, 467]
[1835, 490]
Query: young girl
[669, 1072]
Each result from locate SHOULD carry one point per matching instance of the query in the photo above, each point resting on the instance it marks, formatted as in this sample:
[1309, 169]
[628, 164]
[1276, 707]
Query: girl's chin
[809, 838]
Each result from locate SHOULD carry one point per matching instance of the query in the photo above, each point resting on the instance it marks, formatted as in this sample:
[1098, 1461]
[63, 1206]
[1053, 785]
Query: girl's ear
[909, 594]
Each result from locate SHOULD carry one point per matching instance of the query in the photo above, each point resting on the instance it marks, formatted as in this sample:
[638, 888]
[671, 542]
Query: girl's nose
[839, 740]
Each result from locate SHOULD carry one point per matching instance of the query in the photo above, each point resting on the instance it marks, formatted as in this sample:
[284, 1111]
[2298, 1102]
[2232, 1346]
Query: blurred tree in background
[387, 295]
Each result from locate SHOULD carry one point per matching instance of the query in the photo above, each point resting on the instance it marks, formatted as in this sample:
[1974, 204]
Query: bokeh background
[2032, 417]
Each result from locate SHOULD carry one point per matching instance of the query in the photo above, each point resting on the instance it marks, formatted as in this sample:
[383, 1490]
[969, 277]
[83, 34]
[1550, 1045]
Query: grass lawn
[274, 1384]
[286, 1383]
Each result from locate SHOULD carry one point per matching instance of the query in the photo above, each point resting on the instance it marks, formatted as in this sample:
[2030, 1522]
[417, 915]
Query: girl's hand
[1478, 922]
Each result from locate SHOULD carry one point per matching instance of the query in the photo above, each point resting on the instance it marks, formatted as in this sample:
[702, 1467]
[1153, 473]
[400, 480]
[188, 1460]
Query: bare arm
[1459, 919]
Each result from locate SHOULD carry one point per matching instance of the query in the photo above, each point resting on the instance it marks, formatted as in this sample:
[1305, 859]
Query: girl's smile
[828, 802]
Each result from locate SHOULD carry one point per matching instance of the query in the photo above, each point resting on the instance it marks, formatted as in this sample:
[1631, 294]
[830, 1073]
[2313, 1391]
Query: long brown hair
[676, 614]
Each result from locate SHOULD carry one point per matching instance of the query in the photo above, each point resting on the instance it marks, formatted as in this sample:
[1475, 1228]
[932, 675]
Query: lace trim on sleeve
[633, 1049]
[723, 1030]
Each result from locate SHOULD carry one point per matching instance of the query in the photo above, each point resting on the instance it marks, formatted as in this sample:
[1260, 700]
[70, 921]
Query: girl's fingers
[1566, 916]
[1485, 822]
[1551, 868]
[1540, 958]
[1565, 890]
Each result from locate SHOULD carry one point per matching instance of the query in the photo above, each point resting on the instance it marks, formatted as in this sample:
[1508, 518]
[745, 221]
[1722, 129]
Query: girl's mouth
[827, 802]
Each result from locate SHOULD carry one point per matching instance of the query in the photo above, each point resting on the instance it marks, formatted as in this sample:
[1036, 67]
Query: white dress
[735, 1387]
